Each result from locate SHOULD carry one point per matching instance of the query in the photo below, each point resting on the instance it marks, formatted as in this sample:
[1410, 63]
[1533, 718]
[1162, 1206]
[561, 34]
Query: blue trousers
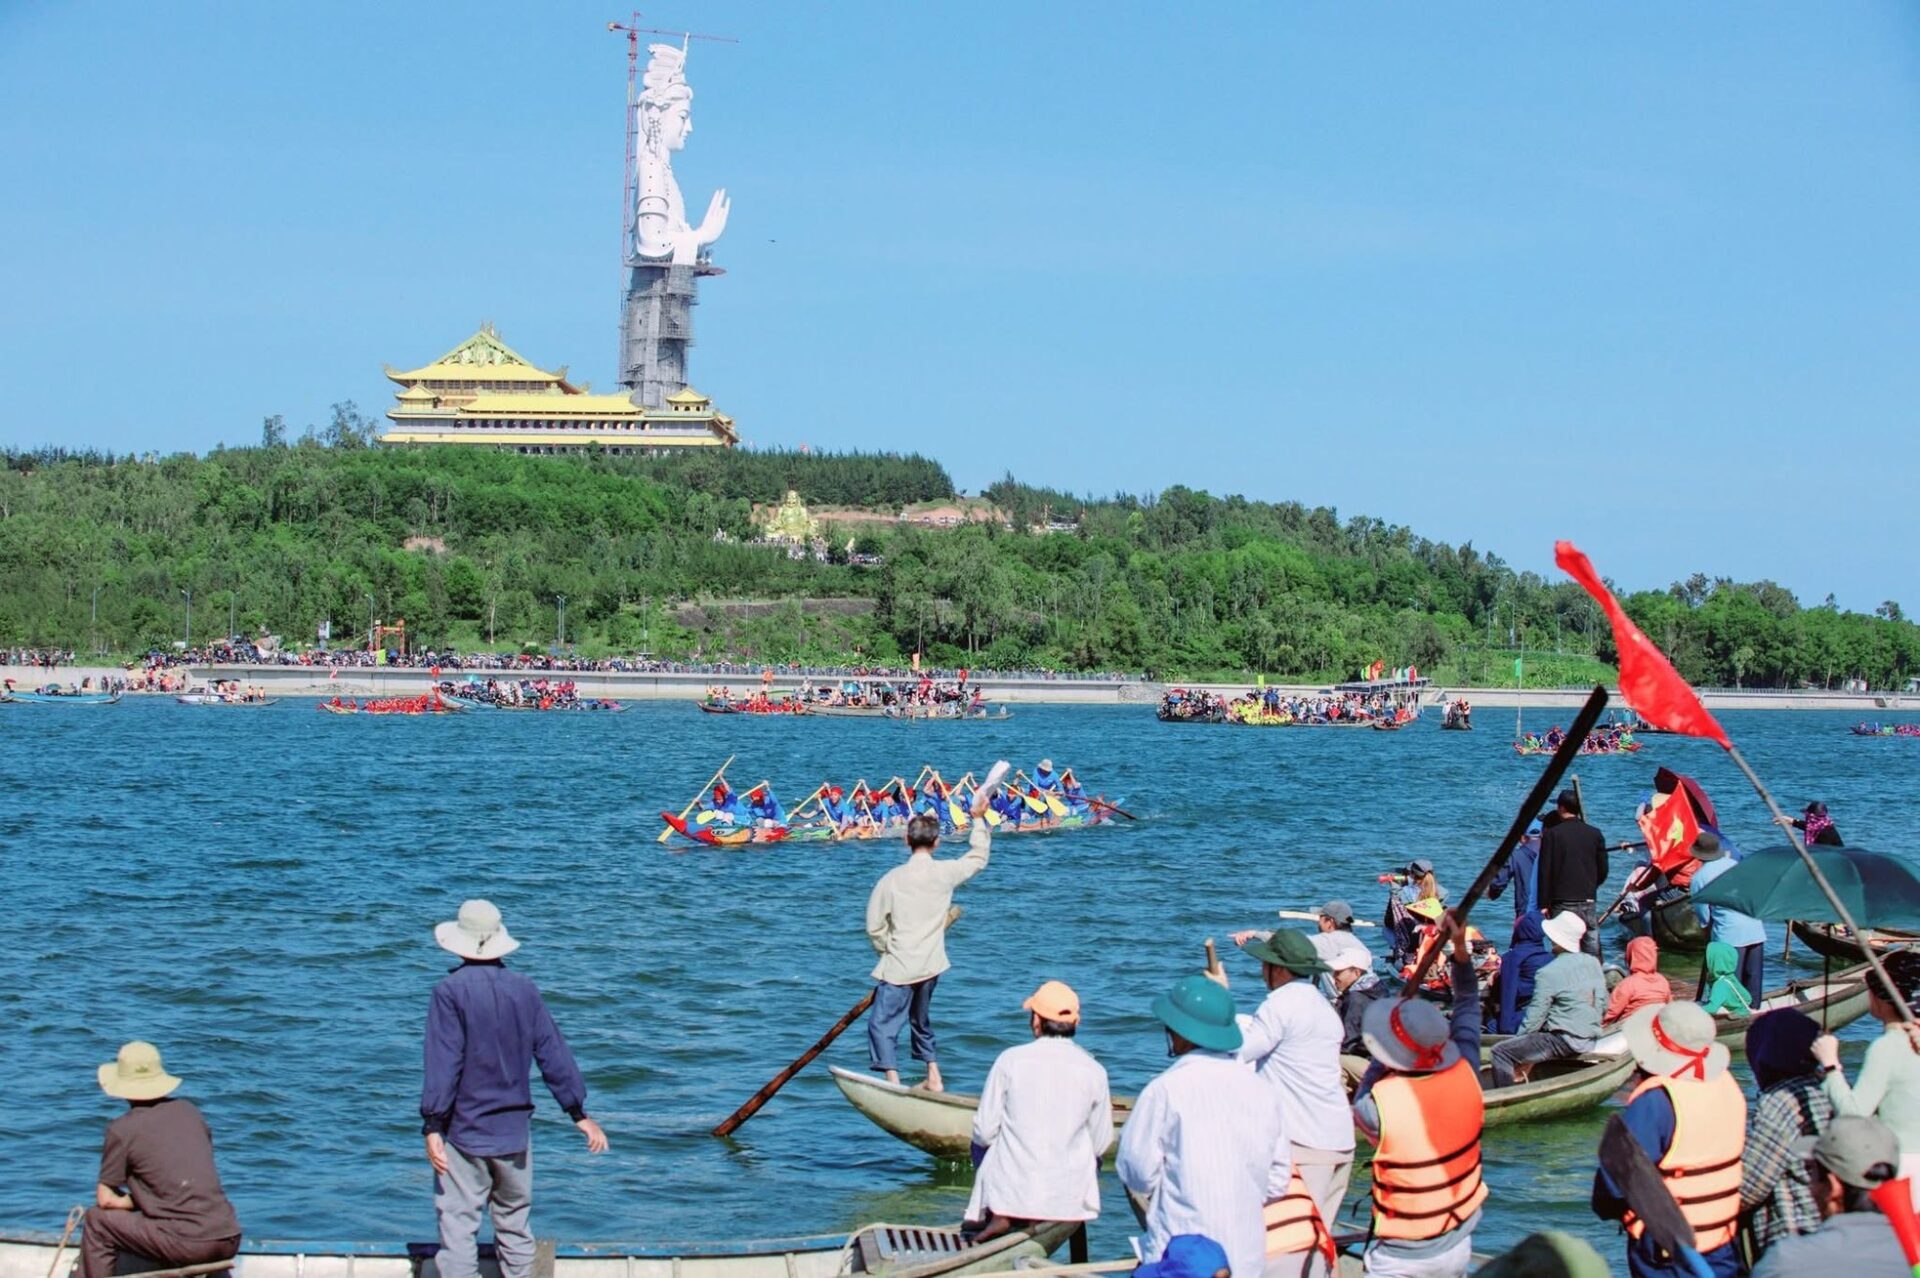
[893, 1004]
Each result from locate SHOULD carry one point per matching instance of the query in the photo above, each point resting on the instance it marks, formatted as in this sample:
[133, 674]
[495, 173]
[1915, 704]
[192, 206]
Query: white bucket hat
[1677, 1040]
[136, 1074]
[477, 934]
[1342, 949]
[1566, 930]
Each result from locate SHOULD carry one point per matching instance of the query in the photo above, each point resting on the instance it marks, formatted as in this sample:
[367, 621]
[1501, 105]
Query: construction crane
[634, 31]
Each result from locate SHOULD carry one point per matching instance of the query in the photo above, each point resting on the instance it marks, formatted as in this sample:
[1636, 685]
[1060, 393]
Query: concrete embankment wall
[385, 681]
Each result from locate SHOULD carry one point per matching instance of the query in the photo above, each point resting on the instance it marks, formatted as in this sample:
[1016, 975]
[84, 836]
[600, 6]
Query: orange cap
[1055, 1001]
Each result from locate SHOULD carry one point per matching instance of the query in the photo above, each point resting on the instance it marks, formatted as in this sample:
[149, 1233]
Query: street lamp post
[188, 596]
[93, 626]
[559, 621]
[229, 616]
[372, 623]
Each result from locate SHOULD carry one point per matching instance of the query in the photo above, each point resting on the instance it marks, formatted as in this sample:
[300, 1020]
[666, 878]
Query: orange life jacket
[1702, 1165]
[1426, 1172]
[1294, 1226]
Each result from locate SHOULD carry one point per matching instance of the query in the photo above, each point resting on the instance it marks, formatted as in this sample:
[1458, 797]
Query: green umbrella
[1773, 883]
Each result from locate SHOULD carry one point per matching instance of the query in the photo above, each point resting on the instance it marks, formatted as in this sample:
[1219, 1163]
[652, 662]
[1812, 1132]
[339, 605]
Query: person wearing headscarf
[1724, 992]
[1528, 954]
[1790, 1105]
[1643, 986]
[1816, 826]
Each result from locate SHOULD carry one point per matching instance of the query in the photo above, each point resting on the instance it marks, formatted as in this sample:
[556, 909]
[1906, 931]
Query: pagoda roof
[688, 396]
[415, 393]
[481, 357]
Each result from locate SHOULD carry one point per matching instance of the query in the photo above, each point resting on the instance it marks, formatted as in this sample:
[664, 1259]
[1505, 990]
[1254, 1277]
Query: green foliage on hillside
[475, 547]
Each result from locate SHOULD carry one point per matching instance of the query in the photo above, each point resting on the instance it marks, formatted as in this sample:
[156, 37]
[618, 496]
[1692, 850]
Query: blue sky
[1644, 275]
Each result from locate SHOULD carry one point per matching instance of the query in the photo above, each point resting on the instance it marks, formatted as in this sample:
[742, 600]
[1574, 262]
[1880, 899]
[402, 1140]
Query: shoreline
[382, 681]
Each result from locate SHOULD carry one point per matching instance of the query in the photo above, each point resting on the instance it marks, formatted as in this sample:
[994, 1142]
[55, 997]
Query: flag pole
[1820, 881]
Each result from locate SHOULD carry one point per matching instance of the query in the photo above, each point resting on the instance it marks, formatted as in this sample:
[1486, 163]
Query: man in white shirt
[1201, 1139]
[1045, 1118]
[907, 924]
[1293, 1043]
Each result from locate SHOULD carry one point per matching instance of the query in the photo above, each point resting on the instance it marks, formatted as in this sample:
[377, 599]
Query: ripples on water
[255, 891]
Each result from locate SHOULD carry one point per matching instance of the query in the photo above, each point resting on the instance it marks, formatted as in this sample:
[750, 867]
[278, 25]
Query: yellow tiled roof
[688, 396]
[482, 357]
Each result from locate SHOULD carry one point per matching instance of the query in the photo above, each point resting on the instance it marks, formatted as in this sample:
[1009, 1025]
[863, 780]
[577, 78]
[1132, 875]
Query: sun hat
[1706, 846]
[1566, 930]
[1339, 950]
[1289, 948]
[477, 934]
[1186, 1256]
[136, 1074]
[1860, 1151]
[1054, 1001]
[1339, 913]
[1419, 866]
[1409, 1035]
[1676, 1040]
[1046, 765]
[1551, 1254]
[1201, 1012]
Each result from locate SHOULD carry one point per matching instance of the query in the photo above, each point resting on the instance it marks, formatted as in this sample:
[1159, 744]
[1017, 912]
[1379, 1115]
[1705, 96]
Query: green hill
[474, 548]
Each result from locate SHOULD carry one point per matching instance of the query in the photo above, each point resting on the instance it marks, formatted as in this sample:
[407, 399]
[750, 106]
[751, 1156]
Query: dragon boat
[741, 836]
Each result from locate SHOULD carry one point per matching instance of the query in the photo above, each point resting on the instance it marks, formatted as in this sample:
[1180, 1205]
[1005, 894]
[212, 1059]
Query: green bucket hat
[1289, 948]
[1201, 1012]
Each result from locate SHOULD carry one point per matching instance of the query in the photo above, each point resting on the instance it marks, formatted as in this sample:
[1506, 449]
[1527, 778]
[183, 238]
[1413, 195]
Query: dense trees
[474, 547]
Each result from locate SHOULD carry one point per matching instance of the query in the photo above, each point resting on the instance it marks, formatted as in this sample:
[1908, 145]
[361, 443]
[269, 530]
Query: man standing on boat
[1563, 1016]
[1573, 865]
[907, 924]
[485, 1027]
[1293, 1043]
[158, 1194]
[1045, 1118]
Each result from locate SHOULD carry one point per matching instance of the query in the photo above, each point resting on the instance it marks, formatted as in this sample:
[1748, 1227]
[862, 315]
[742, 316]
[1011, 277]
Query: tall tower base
[656, 328]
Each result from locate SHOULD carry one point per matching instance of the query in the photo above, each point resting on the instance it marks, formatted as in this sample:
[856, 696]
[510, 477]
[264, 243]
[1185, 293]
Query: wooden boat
[62, 698]
[848, 712]
[921, 715]
[215, 699]
[941, 1123]
[885, 1251]
[1671, 923]
[727, 835]
[1839, 944]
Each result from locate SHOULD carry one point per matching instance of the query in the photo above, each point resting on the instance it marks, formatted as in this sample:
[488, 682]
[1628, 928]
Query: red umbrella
[1666, 781]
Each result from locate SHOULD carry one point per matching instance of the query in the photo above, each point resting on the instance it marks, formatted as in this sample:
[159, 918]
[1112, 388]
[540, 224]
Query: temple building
[483, 392]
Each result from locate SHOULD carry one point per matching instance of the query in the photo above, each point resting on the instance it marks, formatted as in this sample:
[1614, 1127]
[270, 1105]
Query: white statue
[661, 232]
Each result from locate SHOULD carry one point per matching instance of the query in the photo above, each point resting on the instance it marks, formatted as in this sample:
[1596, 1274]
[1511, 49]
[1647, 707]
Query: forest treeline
[473, 547]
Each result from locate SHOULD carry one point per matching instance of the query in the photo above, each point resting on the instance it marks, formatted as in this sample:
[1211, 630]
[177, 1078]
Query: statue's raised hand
[714, 224]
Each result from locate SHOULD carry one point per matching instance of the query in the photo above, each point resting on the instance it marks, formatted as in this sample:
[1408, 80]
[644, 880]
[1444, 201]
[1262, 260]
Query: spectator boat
[1839, 944]
[885, 1251]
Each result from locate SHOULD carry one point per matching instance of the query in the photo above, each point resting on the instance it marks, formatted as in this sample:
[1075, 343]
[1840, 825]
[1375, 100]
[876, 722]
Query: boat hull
[1672, 924]
[1847, 949]
[47, 699]
[885, 1251]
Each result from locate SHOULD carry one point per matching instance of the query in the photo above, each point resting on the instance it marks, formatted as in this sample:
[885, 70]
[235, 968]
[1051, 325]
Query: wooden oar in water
[1114, 808]
[785, 1076]
[1312, 916]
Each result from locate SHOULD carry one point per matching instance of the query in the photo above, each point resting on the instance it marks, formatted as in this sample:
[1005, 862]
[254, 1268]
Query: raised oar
[668, 832]
[1114, 808]
[1310, 916]
[785, 1076]
[1556, 768]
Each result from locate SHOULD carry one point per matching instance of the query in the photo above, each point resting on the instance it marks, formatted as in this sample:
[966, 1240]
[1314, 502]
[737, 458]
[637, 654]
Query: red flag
[1648, 681]
[1670, 828]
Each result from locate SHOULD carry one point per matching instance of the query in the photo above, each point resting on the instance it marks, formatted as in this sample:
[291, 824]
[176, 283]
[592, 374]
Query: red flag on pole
[1670, 829]
[1648, 681]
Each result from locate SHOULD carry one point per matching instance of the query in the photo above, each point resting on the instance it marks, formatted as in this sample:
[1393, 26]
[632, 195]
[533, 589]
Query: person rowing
[1044, 778]
[1073, 794]
[721, 805]
[833, 806]
[763, 809]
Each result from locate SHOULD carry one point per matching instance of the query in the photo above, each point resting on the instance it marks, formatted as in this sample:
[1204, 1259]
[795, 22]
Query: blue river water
[255, 891]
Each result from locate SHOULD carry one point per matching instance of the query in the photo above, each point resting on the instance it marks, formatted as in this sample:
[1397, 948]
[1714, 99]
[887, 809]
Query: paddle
[1556, 768]
[1640, 1183]
[667, 833]
[785, 1076]
[1114, 808]
[1310, 916]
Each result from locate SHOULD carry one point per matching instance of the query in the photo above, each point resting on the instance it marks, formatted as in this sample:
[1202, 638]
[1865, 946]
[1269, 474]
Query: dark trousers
[893, 1004]
[1753, 970]
[1590, 943]
[108, 1233]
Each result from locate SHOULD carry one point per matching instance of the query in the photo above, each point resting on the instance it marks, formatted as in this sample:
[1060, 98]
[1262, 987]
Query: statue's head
[666, 105]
